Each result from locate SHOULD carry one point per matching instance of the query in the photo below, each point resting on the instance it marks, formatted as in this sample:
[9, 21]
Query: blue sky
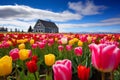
[69, 15]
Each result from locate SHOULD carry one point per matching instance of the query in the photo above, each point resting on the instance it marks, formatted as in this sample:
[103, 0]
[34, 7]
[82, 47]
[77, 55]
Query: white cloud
[12, 24]
[88, 8]
[29, 13]
[22, 16]
[107, 22]
[111, 20]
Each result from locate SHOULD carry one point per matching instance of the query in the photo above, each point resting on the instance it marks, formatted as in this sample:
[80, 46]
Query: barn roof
[46, 23]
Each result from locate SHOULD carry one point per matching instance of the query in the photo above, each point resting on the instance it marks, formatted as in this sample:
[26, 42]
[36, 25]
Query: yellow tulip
[80, 43]
[5, 65]
[25, 40]
[9, 42]
[23, 54]
[71, 42]
[49, 59]
[20, 41]
[75, 39]
[89, 39]
[56, 39]
[32, 41]
[21, 46]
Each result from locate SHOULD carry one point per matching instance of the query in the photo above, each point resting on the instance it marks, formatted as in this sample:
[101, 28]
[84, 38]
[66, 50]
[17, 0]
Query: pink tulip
[51, 41]
[30, 53]
[83, 38]
[34, 46]
[45, 41]
[68, 47]
[5, 44]
[78, 51]
[59, 42]
[41, 45]
[60, 48]
[62, 70]
[1, 45]
[105, 57]
[49, 44]
[14, 53]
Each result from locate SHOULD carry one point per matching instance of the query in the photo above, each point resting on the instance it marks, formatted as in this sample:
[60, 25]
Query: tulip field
[59, 56]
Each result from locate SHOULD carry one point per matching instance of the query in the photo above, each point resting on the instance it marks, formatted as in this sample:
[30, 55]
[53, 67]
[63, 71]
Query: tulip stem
[48, 74]
[111, 75]
[16, 73]
[4, 77]
[35, 76]
[103, 74]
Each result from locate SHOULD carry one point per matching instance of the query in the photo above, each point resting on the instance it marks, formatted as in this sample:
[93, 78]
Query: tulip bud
[49, 59]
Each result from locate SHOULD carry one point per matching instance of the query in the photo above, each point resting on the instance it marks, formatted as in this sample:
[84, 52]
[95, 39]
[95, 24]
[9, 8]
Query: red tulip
[35, 58]
[83, 72]
[31, 66]
[78, 51]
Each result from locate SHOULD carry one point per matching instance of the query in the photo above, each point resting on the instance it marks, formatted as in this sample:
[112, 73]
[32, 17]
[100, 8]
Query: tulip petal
[108, 58]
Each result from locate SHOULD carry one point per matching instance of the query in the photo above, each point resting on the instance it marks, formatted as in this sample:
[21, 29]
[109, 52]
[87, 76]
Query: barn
[45, 27]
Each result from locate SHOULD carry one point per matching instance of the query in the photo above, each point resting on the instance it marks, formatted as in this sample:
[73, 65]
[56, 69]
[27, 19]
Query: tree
[30, 29]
